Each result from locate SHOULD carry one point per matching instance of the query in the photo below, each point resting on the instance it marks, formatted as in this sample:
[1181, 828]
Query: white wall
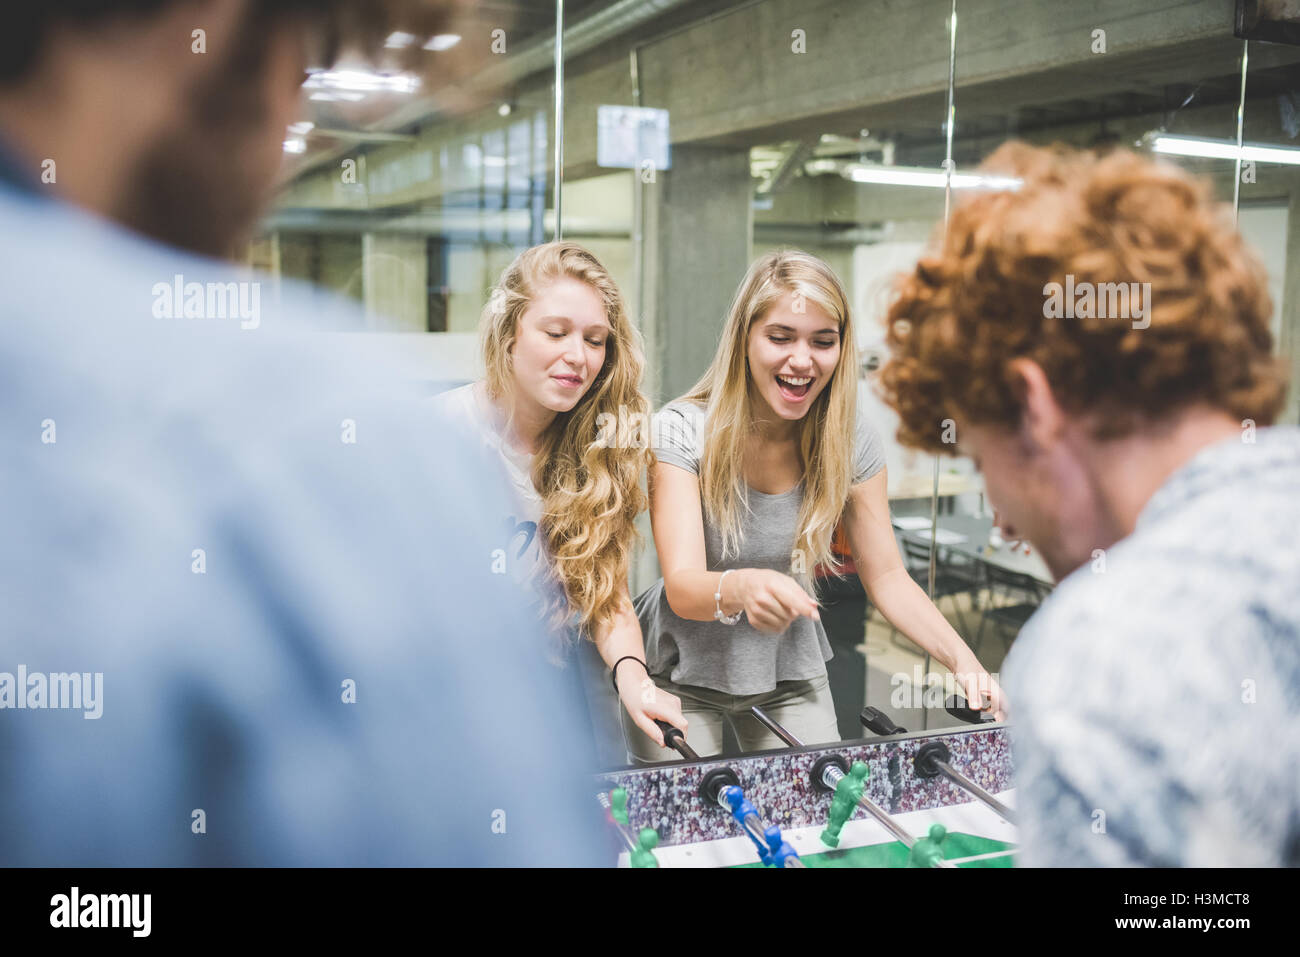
[875, 268]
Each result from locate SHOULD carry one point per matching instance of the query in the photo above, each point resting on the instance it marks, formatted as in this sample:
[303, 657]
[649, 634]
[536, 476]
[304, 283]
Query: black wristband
[613, 672]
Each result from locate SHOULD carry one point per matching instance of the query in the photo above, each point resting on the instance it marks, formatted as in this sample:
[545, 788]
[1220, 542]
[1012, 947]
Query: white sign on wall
[629, 137]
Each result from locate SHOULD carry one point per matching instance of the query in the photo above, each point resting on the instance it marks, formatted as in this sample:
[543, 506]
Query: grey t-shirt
[738, 659]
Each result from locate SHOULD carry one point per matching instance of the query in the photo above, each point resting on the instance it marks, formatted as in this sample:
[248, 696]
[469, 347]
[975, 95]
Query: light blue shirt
[241, 529]
[1156, 694]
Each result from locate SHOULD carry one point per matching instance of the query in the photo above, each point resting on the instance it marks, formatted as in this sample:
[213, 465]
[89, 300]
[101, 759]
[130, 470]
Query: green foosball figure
[848, 792]
[647, 841]
[928, 852]
[618, 805]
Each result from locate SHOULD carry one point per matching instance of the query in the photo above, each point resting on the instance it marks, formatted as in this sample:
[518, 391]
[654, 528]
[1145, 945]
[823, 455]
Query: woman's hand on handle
[645, 702]
[984, 694]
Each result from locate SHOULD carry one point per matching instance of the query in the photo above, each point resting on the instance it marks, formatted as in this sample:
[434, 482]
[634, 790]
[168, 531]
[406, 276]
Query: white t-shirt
[521, 555]
[521, 547]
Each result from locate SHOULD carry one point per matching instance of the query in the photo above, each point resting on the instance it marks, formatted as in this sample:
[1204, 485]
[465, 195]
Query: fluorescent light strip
[361, 81]
[1220, 149]
[904, 176]
[443, 41]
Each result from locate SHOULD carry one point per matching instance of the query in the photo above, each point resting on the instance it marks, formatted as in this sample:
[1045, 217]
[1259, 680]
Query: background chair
[952, 577]
[1020, 595]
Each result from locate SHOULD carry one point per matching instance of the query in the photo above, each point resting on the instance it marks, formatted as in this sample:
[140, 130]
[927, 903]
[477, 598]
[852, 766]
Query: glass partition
[697, 136]
[412, 184]
[1070, 76]
[1269, 206]
[788, 134]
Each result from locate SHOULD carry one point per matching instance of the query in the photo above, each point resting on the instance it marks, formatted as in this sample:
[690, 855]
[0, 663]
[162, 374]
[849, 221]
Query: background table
[976, 529]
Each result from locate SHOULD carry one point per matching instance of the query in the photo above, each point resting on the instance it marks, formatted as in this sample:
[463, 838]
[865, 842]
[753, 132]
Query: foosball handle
[873, 719]
[959, 708]
[671, 733]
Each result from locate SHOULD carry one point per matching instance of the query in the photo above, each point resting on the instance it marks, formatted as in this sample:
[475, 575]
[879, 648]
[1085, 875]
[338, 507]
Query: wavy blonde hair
[588, 478]
[825, 432]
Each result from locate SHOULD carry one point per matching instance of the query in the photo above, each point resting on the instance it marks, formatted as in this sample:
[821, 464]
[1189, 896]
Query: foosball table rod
[827, 773]
[640, 847]
[934, 758]
[721, 786]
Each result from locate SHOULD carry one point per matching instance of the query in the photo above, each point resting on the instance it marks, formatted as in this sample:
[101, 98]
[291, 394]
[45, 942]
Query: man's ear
[1041, 416]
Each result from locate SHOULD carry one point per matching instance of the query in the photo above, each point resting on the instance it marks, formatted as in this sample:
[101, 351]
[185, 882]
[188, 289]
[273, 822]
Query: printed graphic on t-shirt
[526, 530]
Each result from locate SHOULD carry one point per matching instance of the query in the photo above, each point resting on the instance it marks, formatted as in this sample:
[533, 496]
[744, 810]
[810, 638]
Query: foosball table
[932, 799]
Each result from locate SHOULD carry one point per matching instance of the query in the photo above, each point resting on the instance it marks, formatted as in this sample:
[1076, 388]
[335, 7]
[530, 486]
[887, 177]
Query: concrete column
[395, 281]
[296, 255]
[339, 264]
[698, 227]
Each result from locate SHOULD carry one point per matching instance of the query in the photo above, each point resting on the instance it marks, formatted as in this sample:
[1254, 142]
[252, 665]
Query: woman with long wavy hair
[756, 467]
[562, 361]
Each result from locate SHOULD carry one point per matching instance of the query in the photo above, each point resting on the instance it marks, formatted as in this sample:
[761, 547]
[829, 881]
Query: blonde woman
[756, 467]
[559, 353]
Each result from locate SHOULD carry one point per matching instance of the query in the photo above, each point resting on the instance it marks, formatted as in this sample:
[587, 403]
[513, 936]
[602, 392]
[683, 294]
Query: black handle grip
[873, 719]
[959, 708]
[671, 733]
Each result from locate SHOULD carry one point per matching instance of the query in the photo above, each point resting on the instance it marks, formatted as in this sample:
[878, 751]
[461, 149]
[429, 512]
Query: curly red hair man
[1099, 337]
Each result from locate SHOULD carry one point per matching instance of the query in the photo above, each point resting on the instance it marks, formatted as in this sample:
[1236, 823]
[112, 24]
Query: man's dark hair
[360, 24]
[175, 193]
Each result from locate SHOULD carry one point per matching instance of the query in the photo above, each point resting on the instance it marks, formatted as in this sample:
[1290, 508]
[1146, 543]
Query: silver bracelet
[717, 602]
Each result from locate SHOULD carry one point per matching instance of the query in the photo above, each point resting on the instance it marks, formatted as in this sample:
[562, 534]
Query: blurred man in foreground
[249, 610]
[1100, 336]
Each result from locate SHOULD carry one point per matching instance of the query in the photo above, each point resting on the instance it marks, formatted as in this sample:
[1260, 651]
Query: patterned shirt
[1156, 694]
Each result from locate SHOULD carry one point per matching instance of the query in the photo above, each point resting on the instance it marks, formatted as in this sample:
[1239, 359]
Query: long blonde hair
[590, 487]
[825, 432]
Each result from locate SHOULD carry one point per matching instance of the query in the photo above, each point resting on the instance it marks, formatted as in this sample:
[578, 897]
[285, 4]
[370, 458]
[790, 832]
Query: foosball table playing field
[931, 799]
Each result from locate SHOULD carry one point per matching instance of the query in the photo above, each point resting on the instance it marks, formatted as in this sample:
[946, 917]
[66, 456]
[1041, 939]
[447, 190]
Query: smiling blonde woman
[756, 466]
[562, 358]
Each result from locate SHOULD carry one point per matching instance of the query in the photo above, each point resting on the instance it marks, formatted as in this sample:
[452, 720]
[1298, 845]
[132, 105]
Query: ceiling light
[1224, 149]
[443, 41]
[295, 145]
[819, 166]
[399, 40]
[361, 81]
[913, 176]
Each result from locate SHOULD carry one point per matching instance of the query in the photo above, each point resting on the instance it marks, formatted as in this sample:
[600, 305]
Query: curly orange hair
[978, 301]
